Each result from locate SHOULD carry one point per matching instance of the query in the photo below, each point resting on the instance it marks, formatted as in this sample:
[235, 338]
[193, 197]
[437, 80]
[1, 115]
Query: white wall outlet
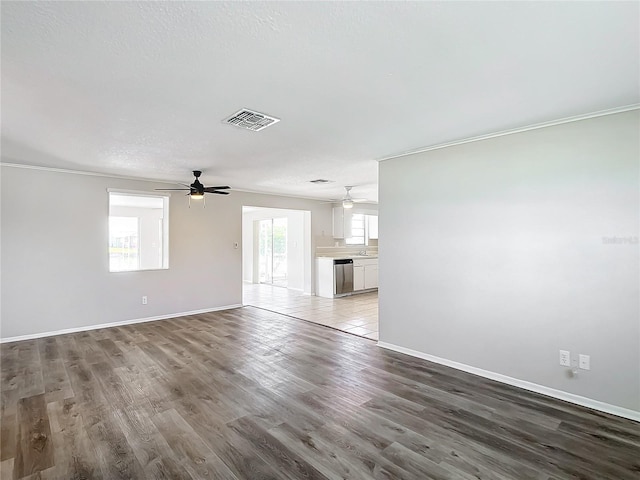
[584, 362]
[565, 358]
[144, 299]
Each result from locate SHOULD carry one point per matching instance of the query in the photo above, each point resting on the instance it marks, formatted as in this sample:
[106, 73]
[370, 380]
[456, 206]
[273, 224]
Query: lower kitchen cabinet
[371, 276]
[358, 277]
[365, 273]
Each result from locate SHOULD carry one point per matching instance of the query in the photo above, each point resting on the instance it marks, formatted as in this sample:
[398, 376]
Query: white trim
[138, 193]
[153, 180]
[65, 331]
[81, 172]
[165, 225]
[533, 387]
[502, 133]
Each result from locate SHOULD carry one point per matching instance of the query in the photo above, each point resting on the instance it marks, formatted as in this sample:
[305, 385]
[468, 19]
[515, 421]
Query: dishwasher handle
[343, 261]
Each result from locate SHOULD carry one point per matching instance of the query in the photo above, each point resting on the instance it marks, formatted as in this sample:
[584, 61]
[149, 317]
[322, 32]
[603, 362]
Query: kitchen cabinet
[365, 273]
[358, 277]
[342, 222]
[373, 226]
[324, 277]
[371, 276]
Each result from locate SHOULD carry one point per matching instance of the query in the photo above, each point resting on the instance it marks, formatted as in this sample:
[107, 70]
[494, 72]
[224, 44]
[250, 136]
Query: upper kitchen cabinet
[373, 226]
[342, 222]
[356, 225]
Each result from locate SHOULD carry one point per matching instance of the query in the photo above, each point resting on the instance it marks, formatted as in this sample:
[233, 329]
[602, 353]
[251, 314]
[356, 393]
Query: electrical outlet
[144, 299]
[565, 358]
[584, 362]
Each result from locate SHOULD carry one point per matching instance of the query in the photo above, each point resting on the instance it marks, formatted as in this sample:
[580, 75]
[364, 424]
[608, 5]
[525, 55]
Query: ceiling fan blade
[339, 200]
[197, 189]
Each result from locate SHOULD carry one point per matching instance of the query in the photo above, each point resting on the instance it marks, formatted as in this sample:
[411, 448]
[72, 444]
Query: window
[363, 228]
[357, 230]
[138, 231]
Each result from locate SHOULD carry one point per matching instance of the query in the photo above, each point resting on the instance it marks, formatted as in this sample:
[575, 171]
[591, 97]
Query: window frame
[364, 231]
[366, 239]
[165, 196]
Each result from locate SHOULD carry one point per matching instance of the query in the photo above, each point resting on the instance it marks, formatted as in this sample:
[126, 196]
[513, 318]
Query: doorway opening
[272, 251]
[277, 261]
[276, 251]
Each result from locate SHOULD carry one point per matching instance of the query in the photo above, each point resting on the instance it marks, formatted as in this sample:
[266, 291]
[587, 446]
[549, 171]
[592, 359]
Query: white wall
[492, 255]
[55, 271]
[249, 238]
[295, 245]
[295, 251]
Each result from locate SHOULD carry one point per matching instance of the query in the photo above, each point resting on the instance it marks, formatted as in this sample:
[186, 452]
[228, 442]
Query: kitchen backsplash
[346, 250]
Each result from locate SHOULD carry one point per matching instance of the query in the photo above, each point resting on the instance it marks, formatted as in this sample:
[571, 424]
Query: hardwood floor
[251, 394]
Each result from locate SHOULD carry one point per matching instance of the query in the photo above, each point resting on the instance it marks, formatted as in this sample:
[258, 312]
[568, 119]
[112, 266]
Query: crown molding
[82, 172]
[151, 180]
[503, 133]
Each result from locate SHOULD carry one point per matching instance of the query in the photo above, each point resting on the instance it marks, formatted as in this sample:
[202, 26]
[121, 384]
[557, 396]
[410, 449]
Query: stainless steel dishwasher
[342, 276]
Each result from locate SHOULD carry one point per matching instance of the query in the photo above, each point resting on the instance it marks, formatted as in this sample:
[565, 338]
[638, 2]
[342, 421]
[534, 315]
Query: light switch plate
[565, 358]
[584, 362]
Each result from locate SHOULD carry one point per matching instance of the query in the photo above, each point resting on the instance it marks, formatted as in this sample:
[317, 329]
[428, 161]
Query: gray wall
[55, 272]
[492, 255]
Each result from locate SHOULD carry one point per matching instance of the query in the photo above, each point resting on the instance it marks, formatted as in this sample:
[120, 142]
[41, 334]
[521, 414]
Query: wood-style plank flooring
[251, 394]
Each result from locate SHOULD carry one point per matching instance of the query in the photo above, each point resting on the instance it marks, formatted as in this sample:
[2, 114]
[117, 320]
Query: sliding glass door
[272, 248]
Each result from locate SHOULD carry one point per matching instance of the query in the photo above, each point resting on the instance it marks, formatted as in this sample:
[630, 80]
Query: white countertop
[346, 256]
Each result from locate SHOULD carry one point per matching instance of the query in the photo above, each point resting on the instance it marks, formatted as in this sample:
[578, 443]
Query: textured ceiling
[140, 89]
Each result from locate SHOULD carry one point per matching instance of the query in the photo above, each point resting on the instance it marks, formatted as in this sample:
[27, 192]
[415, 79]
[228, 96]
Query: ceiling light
[347, 201]
[197, 196]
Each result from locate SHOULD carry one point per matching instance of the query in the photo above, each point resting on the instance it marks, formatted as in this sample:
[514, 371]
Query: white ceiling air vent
[251, 120]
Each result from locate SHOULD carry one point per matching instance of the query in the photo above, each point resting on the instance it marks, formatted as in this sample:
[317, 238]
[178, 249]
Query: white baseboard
[32, 336]
[533, 387]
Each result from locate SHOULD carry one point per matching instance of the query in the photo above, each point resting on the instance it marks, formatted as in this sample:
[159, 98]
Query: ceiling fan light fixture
[347, 201]
[197, 190]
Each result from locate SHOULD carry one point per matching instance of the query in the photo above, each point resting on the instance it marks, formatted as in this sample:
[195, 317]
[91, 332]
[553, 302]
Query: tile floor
[356, 314]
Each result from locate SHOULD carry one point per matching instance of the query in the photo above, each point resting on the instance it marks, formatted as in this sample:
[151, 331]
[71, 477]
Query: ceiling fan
[348, 200]
[197, 189]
